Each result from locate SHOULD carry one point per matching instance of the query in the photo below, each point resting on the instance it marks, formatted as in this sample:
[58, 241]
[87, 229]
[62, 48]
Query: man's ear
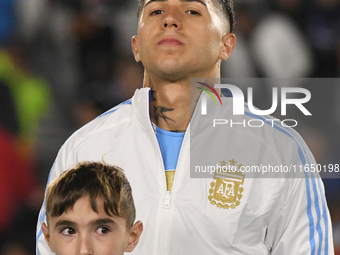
[228, 45]
[47, 235]
[135, 49]
[134, 234]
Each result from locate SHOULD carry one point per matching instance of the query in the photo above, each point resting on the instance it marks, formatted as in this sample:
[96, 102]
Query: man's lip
[170, 41]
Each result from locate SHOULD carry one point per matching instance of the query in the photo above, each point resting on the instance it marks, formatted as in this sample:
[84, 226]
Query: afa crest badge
[227, 186]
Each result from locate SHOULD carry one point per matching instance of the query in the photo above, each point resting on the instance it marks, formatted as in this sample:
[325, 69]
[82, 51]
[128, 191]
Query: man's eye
[192, 12]
[68, 231]
[103, 230]
[157, 12]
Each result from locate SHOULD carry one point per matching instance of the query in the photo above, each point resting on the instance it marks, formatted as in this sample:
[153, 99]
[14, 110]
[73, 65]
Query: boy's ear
[47, 235]
[228, 45]
[135, 49]
[134, 234]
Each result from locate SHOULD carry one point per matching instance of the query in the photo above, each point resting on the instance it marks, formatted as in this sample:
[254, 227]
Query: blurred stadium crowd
[63, 62]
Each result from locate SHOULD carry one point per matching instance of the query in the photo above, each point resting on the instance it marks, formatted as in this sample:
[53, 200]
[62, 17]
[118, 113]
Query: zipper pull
[167, 200]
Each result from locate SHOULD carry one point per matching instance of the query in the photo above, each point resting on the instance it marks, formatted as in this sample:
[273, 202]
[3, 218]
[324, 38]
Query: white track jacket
[230, 213]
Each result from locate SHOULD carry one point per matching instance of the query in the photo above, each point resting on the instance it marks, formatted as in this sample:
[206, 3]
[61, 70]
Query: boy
[90, 210]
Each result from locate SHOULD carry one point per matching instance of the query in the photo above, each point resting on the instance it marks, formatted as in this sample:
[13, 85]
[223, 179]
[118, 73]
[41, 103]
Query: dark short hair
[98, 181]
[225, 6]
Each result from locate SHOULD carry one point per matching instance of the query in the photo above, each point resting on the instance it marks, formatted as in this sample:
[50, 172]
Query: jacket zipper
[167, 200]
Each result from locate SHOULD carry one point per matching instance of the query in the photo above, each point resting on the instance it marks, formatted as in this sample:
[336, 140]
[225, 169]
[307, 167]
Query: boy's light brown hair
[98, 181]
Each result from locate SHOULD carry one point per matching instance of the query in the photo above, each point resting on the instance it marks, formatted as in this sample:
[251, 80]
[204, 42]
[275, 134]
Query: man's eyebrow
[152, 1]
[198, 1]
[65, 223]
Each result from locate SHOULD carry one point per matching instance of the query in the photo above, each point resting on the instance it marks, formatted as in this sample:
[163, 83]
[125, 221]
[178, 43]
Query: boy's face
[81, 230]
[181, 37]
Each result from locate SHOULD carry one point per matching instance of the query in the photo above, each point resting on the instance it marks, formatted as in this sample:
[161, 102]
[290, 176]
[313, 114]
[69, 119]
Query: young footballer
[149, 137]
[90, 210]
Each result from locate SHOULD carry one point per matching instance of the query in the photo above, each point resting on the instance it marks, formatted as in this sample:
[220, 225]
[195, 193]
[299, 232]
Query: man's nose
[85, 245]
[172, 18]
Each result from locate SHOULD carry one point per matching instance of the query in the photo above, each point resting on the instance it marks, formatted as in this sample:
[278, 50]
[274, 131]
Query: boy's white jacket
[217, 214]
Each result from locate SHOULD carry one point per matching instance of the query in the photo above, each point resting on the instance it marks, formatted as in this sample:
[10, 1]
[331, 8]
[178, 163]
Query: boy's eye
[68, 231]
[192, 12]
[103, 230]
[157, 12]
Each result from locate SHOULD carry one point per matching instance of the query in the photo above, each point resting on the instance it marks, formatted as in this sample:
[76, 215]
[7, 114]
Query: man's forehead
[213, 6]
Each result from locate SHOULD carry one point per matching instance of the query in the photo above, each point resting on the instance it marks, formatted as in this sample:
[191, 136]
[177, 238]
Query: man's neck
[171, 103]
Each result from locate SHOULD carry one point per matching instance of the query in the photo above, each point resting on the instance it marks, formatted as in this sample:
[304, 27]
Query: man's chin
[172, 69]
[174, 74]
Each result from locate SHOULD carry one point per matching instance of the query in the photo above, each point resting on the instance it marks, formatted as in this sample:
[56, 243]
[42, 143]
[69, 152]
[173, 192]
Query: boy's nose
[85, 246]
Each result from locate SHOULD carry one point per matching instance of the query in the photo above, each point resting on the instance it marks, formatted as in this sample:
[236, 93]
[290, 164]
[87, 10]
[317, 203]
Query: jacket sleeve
[300, 223]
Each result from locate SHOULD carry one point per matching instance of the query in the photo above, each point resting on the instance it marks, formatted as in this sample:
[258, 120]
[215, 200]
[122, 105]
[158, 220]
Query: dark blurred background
[63, 62]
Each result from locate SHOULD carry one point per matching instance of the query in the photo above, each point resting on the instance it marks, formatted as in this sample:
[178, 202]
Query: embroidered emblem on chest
[227, 186]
